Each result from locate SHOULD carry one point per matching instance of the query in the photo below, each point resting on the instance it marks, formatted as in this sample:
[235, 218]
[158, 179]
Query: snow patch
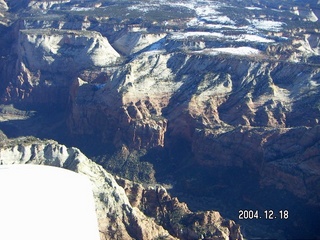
[211, 14]
[184, 35]
[80, 9]
[267, 25]
[215, 35]
[241, 51]
[253, 38]
[253, 8]
[143, 7]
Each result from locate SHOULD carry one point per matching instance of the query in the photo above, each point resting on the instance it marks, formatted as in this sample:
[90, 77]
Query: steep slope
[117, 217]
[49, 59]
[176, 216]
[230, 104]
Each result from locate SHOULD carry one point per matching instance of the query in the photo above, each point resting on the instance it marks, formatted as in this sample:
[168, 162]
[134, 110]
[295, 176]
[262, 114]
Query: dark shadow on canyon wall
[225, 189]
[230, 190]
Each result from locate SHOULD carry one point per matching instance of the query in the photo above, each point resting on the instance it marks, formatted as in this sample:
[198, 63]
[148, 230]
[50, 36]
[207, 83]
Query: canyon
[217, 99]
[120, 209]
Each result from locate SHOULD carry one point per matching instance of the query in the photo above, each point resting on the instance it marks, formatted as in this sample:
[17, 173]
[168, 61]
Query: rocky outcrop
[57, 49]
[281, 156]
[45, 5]
[3, 6]
[127, 118]
[306, 13]
[48, 61]
[155, 202]
[133, 42]
[116, 217]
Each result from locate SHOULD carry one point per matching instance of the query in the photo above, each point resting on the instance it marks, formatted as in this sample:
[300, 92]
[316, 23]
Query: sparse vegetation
[128, 165]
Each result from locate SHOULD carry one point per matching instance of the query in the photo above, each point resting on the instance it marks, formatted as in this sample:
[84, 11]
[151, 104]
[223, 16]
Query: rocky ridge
[155, 202]
[117, 216]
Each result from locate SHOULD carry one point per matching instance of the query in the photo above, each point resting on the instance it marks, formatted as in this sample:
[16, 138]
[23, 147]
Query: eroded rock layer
[212, 96]
[118, 217]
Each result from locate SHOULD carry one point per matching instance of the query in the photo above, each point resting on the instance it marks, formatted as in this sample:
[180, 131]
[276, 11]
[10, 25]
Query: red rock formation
[176, 217]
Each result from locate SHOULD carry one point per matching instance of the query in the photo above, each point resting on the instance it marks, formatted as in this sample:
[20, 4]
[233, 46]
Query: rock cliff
[226, 108]
[116, 217]
[49, 59]
[155, 202]
[119, 217]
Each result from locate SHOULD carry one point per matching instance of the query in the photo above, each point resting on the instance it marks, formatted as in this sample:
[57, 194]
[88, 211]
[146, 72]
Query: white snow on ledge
[268, 25]
[253, 38]
[217, 35]
[42, 202]
[185, 35]
[241, 51]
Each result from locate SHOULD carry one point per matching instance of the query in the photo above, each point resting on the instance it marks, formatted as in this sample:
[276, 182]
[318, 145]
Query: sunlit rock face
[49, 59]
[40, 202]
[3, 5]
[45, 5]
[62, 50]
[156, 202]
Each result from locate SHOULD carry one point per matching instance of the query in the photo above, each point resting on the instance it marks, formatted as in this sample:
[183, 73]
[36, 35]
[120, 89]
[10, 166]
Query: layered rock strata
[226, 108]
[49, 59]
[140, 217]
[155, 202]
